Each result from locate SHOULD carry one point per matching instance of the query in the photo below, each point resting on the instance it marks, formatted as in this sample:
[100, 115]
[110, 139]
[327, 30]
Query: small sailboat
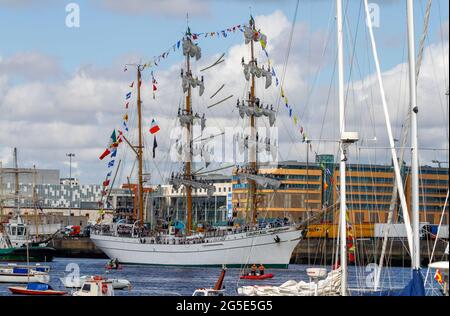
[95, 286]
[35, 288]
[16, 243]
[216, 291]
[12, 273]
[441, 269]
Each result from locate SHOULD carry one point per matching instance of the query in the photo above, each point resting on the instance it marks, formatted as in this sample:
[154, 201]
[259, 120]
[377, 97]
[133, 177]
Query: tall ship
[129, 239]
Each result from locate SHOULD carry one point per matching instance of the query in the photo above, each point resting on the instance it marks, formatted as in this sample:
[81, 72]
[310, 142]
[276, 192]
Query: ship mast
[187, 120]
[252, 140]
[16, 174]
[140, 147]
[187, 169]
[253, 110]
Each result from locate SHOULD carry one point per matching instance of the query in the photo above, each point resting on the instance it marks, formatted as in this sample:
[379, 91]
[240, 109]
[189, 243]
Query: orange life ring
[104, 288]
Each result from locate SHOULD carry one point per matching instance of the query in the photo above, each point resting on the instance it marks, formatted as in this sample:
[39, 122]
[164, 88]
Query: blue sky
[106, 36]
[61, 88]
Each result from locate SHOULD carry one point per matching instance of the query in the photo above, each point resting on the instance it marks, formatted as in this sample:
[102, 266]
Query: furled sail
[257, 36]
[258, 110]
[203, 151]
[242, 142]
[186, 118]
[188, 80]
[177, 181]
[330, 286]
[192, 49]
[261, 180]
[252, 69]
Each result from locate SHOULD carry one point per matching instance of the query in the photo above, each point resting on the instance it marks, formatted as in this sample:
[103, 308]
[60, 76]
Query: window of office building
[373, 217]
[430, 218]
[359, 217]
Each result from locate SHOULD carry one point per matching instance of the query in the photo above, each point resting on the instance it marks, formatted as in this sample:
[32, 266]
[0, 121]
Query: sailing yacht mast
[342, 164]
[414, 149]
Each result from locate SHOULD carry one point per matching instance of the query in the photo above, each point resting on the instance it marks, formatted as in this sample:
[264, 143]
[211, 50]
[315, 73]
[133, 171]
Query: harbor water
[169, 281]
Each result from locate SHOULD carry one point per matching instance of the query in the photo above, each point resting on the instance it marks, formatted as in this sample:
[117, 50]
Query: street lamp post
[70, 155]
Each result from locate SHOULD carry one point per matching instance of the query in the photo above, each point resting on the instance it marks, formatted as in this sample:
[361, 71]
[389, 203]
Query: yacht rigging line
[405, 131]
[426, 24]
[288, 52]
[398, 176]
[114, 179]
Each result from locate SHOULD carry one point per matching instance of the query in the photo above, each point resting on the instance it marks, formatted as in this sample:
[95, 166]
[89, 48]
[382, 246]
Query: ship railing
[128, 230]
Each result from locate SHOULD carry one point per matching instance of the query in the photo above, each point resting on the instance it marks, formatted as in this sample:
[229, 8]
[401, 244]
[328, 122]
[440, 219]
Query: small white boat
[118, 284]
[216, 291]
[208, 292]
[95, 286]
[24, 274]
[441, 275]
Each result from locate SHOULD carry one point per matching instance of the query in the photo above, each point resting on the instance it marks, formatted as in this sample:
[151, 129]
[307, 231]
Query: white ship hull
[259, 247]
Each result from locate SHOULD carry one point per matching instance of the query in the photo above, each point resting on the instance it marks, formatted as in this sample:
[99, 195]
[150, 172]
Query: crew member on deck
[254, 269]
[261, 269]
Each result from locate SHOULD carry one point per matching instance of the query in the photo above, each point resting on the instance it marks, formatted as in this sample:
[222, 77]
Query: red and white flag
[154, 128]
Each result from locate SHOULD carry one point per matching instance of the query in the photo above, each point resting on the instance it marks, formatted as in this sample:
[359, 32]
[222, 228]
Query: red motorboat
[35, 289]
[257, 277]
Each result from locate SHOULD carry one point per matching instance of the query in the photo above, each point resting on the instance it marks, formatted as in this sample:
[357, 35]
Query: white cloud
[30, 65]
[45, 120]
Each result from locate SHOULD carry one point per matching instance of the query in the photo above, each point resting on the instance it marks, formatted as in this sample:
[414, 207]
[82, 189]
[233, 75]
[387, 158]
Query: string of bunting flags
[224, 33]
[195, 36]
[110, 151]
[115, 139]
[288, 107]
